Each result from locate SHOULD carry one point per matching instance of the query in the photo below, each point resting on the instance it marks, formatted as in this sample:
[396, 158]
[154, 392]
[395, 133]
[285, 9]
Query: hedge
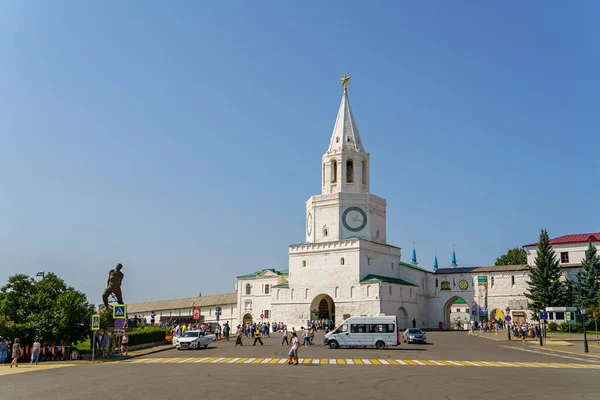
[147, 335]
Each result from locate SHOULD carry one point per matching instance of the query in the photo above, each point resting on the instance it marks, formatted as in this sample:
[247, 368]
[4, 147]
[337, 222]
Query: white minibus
[379, 331]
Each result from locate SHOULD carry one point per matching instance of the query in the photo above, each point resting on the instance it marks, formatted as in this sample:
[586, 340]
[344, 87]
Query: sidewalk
[142, 350]
[553, 342]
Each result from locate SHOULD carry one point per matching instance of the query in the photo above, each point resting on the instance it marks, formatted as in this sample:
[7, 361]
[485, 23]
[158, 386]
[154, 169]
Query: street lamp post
[506, 322]
[585, 343]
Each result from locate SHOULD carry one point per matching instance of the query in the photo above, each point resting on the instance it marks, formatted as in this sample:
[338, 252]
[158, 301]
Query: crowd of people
[12, 350]
[519, 329]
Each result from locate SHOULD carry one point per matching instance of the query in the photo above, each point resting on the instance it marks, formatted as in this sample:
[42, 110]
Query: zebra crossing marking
[355, 361]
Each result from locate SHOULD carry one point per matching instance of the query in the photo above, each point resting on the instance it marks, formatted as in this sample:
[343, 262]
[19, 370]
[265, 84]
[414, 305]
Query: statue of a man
[115, 277]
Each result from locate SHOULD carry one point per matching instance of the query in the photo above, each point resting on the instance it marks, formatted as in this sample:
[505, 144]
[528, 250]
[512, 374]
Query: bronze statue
[115, 277]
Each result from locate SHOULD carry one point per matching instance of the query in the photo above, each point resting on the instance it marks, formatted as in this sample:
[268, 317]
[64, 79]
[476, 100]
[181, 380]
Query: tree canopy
[545, 288]
[516, 256]
[47, 308]
[587, 287]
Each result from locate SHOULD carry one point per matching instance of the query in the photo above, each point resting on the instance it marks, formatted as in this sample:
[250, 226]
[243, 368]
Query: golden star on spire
[345, 80]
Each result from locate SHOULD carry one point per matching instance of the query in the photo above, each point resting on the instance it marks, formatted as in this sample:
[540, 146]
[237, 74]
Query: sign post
[569, 322]
[543, 318]
[95, 327]
[218, 312]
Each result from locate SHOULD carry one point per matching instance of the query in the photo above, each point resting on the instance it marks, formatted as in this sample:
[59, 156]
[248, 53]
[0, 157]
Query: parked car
[193, 340]
[414, 335]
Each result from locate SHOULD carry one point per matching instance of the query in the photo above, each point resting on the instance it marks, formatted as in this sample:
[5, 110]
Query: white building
[345, 267]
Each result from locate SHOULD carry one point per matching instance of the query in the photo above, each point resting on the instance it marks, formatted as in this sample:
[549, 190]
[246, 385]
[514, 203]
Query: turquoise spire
[414, 255]
[453, 263]
[435, 262]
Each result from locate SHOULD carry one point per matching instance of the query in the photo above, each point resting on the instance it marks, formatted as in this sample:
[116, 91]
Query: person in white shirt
[295, 345]
[35, 356]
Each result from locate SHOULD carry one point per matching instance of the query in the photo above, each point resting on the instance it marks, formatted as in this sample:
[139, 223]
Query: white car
[193, 340]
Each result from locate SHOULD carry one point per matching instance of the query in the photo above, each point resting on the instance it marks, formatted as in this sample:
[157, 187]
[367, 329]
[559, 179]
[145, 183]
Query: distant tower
[453, 262]
[435, 262]
[414, 255]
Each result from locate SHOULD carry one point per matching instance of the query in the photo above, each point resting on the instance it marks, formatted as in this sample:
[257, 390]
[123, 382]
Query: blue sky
[183, 138]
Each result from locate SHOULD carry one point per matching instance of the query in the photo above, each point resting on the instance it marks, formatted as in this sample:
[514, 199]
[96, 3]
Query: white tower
[345, 209]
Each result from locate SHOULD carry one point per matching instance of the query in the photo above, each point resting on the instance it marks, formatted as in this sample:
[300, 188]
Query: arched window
[390, 290]
[453, 282]
[368, 291]
[334, 171]
[342, 261]
[350, 171]
[364, 172]
[278, 294]
[303, 263]
[392, 265]
[337, 292]
[436, 283]
[512, 280]
[248, 288]
[492, 281]
[306, 294]
[325, 231]
[351, 291]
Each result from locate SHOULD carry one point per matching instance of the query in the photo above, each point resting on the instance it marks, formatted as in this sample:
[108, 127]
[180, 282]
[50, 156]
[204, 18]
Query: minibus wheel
[333, 344]
[380, 345]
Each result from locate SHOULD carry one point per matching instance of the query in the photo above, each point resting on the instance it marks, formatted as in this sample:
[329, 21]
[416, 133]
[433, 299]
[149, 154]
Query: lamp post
[506, 322]
[585, 343]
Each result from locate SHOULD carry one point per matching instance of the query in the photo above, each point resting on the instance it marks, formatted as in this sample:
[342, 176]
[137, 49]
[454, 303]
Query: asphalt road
[176, 374]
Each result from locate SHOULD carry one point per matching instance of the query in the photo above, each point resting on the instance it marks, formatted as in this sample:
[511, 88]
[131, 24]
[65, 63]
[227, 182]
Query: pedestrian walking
[16, 352]
[226, 331]
[124, 344]
[257, 336]
[294, 346]
[104, 343]
[35, 355]
[284, 334]
[3, 350]
[238, 336]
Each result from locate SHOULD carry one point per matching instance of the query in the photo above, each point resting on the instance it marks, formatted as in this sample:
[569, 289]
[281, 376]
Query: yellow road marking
[463, 363]
[241, 360]
[445, 363]
[274, 361]
[358, 361]
[374, 361]
[225, 360]
[324, 361]
[307, 360]
[427, 362]
[393, 362]
[341, 361]
[209, 359]
[410, 362]
[257, 361]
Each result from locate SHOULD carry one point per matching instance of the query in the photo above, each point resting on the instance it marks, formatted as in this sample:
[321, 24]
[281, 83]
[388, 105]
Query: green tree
[47, 308]
[545, 288]
[587, 287]
[516, 256]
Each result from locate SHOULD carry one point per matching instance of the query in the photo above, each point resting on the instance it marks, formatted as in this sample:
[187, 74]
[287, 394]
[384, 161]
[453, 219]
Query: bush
[147, 335]
[553, 326]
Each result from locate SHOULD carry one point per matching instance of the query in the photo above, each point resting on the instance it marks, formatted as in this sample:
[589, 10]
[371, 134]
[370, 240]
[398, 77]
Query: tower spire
[435, 261]
[414, 255]
[453, 262]
[345, 134]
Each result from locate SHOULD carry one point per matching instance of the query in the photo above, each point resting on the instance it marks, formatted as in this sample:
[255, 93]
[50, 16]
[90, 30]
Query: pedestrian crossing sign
[120, 311]
[96, 322]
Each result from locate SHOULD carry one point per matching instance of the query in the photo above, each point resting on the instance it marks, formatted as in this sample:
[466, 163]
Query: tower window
[377, 234]
[342, 261]
[349, 171]
[564, 257]
[512, 280]
[392, 265]
[337, 292]
[306, 293]
[348, 139]
[368, 261]
[334, 171]
[267, 289]
[492, 281]
[303, 263]
[248, 288]
[337, 139]
[325, 231]
[436, 283]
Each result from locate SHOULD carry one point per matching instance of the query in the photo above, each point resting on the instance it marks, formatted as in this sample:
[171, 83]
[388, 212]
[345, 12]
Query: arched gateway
[322, 307]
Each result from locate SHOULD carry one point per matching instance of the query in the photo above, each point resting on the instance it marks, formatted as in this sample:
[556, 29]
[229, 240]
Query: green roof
[402, 263]
[283, 285]
[371, 278]
[460, 301]
[284, 272]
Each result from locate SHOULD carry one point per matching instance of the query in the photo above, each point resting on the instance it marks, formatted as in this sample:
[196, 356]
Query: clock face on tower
[354, 219]
[309, 223]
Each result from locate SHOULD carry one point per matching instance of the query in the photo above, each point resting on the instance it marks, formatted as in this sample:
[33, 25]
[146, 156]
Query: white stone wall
[259, 300]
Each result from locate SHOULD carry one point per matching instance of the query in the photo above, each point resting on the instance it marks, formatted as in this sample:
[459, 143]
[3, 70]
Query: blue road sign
[473, 312]
[507, 318]
[543, 315]
[119, 323]
[120, 311]
[96, 322]
[218, 308]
